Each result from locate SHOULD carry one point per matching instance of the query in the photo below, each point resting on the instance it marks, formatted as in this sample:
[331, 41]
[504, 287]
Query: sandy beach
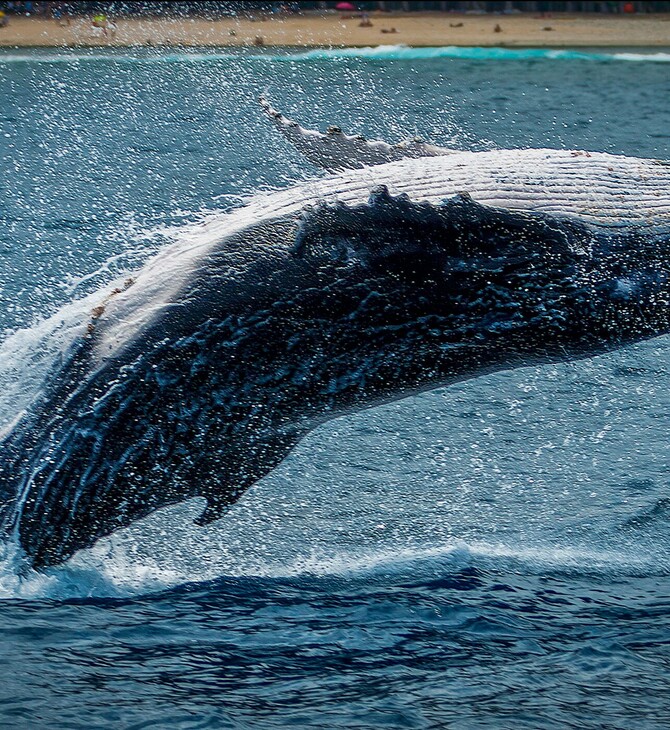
[334, 30]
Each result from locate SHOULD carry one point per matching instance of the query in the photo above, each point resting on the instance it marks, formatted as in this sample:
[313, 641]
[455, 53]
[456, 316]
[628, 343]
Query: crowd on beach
[332, 23]
[211, 8]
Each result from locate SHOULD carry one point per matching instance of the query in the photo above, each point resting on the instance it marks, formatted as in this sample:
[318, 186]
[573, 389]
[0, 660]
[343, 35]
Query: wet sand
[335, 30]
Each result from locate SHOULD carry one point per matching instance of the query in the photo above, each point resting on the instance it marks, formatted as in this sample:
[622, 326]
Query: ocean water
[489, 555]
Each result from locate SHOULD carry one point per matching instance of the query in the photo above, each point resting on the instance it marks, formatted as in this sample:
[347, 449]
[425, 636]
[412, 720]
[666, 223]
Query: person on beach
[100, 21]
[59, 14]
[103, 23]
[3, 19]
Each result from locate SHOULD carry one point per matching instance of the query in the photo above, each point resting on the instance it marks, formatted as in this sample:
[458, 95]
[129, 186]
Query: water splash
[28, 354]
[114, 569]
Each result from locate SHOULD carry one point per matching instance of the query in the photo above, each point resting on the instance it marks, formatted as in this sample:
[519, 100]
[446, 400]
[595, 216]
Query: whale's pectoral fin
[338, 151]
[222, 489]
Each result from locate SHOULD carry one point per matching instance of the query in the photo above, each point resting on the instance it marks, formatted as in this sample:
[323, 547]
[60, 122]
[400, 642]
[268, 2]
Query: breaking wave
[114, 571]
[384, 52]
[481, 54]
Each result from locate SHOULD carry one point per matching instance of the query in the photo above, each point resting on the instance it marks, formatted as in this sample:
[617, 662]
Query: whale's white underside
[598, 188]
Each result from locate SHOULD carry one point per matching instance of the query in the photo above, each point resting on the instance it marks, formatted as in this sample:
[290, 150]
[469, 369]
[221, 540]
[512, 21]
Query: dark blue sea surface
[490, 555]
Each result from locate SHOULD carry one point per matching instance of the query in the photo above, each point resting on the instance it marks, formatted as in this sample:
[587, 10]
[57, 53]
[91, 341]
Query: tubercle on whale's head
[437, 283]
[467, 275]
[387, 225]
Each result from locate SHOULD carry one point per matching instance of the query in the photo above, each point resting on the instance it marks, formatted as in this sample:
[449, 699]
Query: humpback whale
[198, 375]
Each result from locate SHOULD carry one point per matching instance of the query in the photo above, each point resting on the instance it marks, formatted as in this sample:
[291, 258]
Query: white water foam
[113, 570]
[386, 52]
[400, 52]
[27, 355]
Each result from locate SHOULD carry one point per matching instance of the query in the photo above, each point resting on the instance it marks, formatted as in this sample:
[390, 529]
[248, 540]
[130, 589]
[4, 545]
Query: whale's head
[450, 290]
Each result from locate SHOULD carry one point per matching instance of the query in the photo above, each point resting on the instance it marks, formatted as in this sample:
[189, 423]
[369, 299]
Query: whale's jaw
[338, 309]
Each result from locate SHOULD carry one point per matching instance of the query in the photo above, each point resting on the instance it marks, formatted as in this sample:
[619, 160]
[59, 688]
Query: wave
[387, 52]
[113, 571]
[401, 52]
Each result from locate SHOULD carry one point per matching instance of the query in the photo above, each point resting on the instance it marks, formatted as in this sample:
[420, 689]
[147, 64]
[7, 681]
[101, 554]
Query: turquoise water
[489, 555]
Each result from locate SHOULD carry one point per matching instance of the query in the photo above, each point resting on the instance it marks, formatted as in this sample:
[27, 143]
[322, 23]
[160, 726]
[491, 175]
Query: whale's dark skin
[345, 309]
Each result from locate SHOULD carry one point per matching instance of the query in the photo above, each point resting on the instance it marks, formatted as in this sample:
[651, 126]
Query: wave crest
[383, 52]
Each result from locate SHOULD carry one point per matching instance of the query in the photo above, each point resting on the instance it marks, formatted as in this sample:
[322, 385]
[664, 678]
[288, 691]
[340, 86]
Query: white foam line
[533, 558]
[372, 52]
[116, 574]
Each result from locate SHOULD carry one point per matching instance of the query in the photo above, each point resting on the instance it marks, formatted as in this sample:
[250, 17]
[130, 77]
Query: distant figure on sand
[100, 22]
[59, 16]
[3, 19]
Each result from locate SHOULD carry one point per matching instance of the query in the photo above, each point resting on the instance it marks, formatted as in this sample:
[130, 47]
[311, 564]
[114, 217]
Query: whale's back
[598, 188]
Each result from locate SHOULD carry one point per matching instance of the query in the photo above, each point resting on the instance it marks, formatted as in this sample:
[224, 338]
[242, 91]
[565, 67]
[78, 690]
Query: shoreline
[424, 30]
